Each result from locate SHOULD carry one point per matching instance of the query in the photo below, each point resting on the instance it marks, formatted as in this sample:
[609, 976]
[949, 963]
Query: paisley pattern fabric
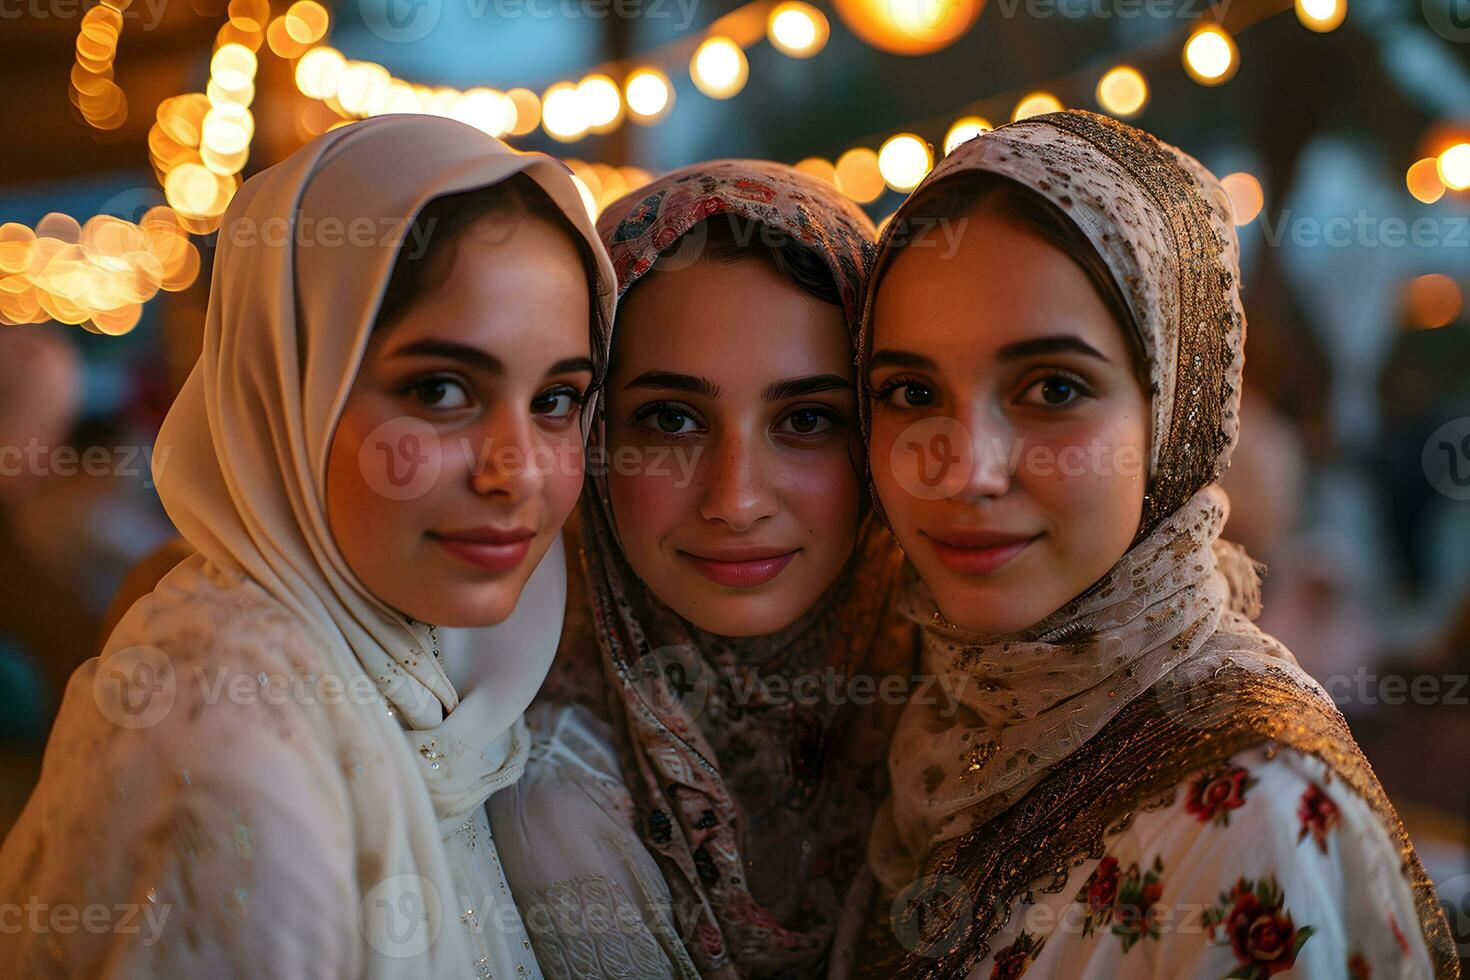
[1176, 610]
[756, 807]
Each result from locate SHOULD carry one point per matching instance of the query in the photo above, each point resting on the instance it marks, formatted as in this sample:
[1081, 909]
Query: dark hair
[444, 220]
[1004, 197]
[728, 237]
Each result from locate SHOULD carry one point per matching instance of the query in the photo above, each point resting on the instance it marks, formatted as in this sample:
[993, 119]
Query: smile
[977, 553]
[740, 572]
[489, 549]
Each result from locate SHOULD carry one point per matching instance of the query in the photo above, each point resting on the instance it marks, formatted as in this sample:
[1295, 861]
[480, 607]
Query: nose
[993, 445]
[736, 489]
[508, 459]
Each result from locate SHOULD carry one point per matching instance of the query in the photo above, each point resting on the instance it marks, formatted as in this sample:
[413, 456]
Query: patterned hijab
[1180, 596]
[757, 812]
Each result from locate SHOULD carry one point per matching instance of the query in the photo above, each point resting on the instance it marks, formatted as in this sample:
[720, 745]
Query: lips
[491, 549]
[740, 569]
[975, 551]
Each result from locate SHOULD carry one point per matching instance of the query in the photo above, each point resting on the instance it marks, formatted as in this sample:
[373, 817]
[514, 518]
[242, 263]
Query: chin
[993, 611]
[462, 606]
[740, 616]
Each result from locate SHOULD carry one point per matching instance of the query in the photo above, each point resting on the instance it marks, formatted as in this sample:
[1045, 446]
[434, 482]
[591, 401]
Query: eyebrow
[900, 358]
[796, 387]
[1059, 344]
[673, 381]
[485, 361]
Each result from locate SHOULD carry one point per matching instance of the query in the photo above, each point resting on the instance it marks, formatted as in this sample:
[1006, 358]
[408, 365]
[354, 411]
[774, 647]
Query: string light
[797, 29]
[1321, 15]
[1246, 197]
[909, 27]
[562, 113]
[1423, 181]
[820, 169]
[1433, 301]
[1210, 56]
[602, 102]
[1036, 104]
[858, 175]
[719, 68]
[1454, 167]
[649, 95]
[963, 130]
[97, 97]
[1123, 92]
[904, 161]
[96, 275]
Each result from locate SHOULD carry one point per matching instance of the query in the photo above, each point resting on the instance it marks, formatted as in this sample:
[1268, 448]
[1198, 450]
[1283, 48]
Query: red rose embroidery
[1012, 961]
[1253, 918]
[1398, 934]
[1318, 814]
[1213, 795]
[1102, 887]
[1358, 968]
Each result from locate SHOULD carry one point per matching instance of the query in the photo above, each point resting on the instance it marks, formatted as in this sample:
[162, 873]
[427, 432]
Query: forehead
[982, 281]
[731, 320]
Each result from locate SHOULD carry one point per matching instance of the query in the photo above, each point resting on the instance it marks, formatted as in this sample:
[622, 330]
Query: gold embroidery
[1135, 764]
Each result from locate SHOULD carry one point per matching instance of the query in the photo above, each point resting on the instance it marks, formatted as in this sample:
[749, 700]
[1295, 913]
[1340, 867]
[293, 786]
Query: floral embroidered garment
[1263, 865]
[1086, 736]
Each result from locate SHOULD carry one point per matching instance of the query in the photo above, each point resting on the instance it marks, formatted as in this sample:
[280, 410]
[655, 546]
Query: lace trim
[1135, 763]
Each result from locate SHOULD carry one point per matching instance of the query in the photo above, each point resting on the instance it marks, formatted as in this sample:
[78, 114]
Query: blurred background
[1340, 127]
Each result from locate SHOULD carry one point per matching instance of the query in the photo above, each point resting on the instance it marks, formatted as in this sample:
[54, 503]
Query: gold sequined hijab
[1162, 225]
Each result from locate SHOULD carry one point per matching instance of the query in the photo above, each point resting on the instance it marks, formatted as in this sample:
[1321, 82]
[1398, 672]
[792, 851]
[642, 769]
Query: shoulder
[177, 780]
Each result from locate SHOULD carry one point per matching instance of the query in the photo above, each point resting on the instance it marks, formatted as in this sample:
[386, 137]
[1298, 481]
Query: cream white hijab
[303, 256]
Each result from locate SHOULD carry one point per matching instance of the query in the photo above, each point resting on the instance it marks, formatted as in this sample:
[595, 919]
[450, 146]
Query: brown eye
[1056, 391]
[441, 393]
[808, 422]
[557, 403]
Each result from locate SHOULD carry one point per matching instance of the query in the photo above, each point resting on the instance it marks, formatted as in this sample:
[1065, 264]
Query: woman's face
[732, 439]
[1010, 430]
[458, 455]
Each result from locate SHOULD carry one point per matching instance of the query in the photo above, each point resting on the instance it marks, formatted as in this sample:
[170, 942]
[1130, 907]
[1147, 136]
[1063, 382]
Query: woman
[739, 597]
[278, 765]
[1138, 781]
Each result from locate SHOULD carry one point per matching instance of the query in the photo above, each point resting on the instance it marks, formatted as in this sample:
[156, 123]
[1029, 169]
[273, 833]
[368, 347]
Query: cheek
[646, 501]
[1091, 476]
[564, 484]
[822, 491]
